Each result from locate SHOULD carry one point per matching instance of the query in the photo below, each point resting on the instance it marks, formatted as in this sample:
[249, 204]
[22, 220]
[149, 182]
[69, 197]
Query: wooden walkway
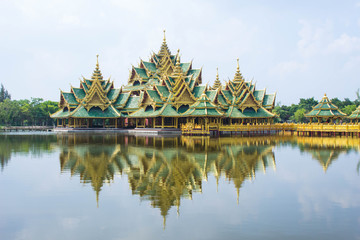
[26, 129]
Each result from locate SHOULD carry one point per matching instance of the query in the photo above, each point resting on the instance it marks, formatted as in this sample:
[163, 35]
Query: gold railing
[198, 129]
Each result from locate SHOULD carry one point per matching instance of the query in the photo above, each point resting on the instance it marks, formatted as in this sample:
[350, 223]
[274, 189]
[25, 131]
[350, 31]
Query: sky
[298, 49]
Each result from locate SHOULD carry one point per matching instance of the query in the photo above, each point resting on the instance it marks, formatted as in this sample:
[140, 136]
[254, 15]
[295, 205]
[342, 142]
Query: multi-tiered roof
[165, 87]
[325, 109]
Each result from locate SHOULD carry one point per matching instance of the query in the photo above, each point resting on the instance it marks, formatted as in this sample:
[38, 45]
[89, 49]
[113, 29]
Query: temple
[325, 111]
[163, 92]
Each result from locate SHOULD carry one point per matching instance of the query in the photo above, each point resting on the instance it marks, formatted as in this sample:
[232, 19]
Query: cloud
[344, 44]
[312, 38]
[288, 68]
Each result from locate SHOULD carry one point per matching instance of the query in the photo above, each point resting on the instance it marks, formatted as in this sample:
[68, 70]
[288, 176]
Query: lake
[94, 186]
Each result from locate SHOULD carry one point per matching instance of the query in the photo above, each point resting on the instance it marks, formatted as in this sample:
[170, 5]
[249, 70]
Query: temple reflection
[164, 170]
[327, 150]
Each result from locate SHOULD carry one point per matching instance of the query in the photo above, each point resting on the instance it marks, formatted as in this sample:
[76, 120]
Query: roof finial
[178, 57]
[238, 66]
[97, 60]
[217, 73]
[164, 36]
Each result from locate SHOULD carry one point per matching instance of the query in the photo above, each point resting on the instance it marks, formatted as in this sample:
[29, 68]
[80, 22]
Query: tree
[307, 104]
[348, 109]
[10, 113]
[4, 94]
[299, 115]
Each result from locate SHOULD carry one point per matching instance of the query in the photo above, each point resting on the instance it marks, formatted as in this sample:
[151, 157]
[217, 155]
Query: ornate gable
[97, 94]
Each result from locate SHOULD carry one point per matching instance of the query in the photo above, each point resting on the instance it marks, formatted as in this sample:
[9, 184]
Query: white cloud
[288, 68]
[344, 44]
[313, 39]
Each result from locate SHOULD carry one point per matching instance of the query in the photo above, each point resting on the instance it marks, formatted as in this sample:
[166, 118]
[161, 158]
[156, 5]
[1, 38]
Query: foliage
[4, 94]
[296, 112]
[27, 112]
[299, 115]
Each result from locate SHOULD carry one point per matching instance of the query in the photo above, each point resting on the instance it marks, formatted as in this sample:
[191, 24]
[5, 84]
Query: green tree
[348, 109]
[307, 103]
[4, 94]
[10, 113]
[299, 115]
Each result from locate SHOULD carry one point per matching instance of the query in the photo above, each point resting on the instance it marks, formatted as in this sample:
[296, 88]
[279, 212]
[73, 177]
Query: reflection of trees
[34, 145]
[164, 170]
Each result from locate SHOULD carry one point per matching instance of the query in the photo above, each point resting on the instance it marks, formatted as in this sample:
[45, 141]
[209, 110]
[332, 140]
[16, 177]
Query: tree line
[36, 111]
[296, 112]
[33, 112]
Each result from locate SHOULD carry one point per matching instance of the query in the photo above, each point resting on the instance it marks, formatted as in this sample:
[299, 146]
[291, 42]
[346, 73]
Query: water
[78, 186]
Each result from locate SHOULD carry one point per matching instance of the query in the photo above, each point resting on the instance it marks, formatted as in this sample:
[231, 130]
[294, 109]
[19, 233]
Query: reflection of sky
[297, 201]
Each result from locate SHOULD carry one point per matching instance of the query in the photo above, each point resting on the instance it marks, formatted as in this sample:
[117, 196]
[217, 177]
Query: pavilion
[163, 92]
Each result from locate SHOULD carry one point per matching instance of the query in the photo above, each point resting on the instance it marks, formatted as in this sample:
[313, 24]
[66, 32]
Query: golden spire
[178, 58]
[238, 66]
[97, 199]
[217, 82]
[164, 50]
[97, 73]
[164, 222]
[177, 70]
[238, 76]
[238, 193]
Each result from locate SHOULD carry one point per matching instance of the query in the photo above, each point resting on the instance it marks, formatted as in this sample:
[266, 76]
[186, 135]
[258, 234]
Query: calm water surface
[78, 186]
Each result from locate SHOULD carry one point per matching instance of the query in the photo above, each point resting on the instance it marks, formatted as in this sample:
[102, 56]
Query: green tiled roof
[185, 66]
[70, 98]
[198, 91]
[79, 92]
[141, 72]
[259, 94]
[227, 94]
[221, 100]
[113, 93]
[88, 83]
[133, 102]
[137, 87]
[325, 113]
[355, 114]
[234, 112]
[168, 111]
[163, 90]
[325, 109]
[268, 99]
[60, 114]
[192, 84]
[211, 94]
[108, 86]
[154, 95]
[121, 100]
[195, 72]
[165, 111]
[203, 107]
[260, 113]
[85, 87]
[95, 112]
[150, 66]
